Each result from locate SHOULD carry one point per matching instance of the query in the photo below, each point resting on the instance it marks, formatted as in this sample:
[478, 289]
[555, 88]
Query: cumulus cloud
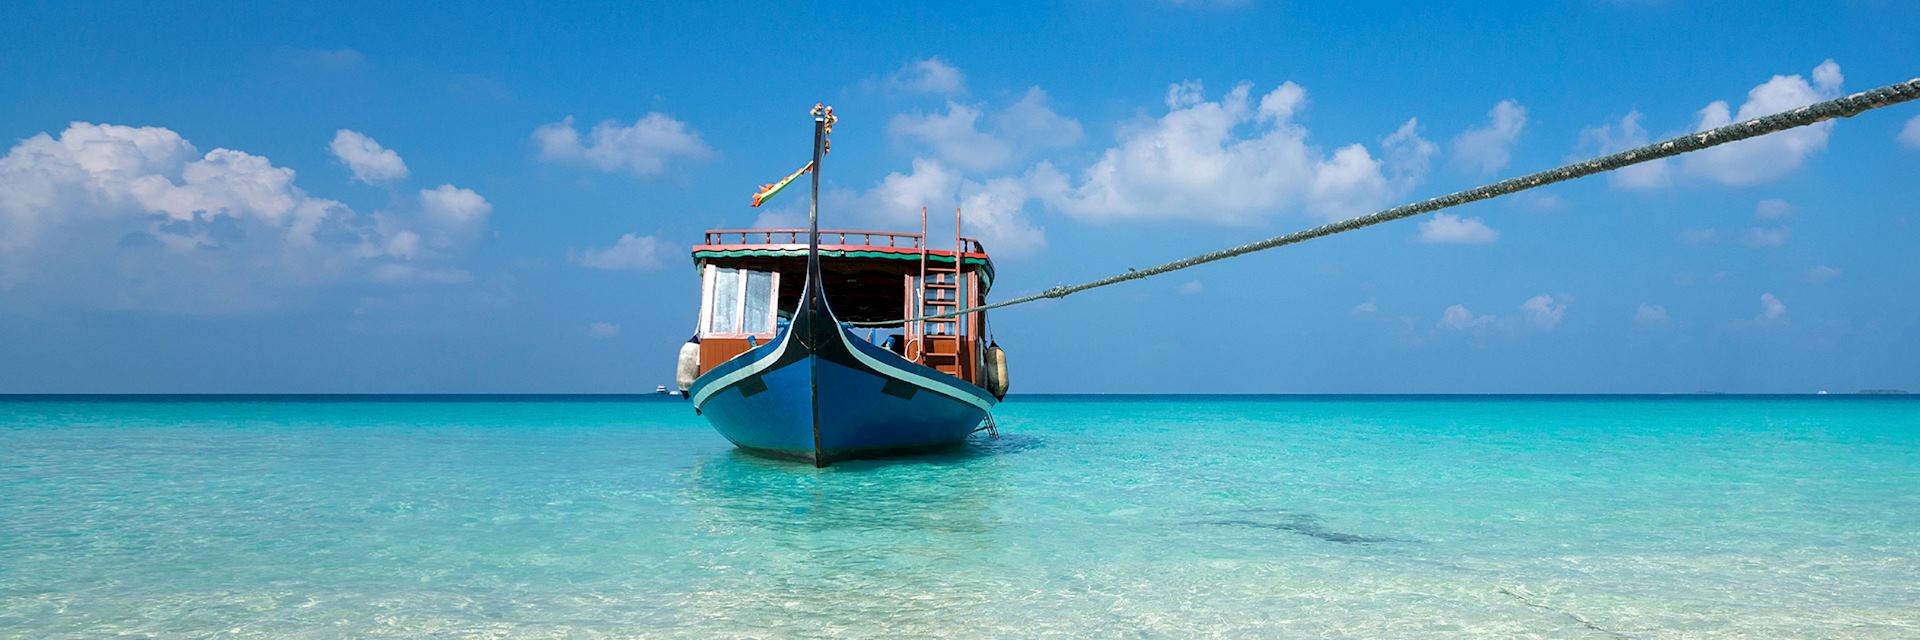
[1365, 308]
[644, 148]
[1032, 120]
[1458, 318]
[1772, 310]
[138, 218]
[632, 252]
[929, 76]
[1543, 312]
[370, 162]
[454, 204]
[1627, 134]
[968, 137]
[1407, 155]
[1652, 315]
[994, 211]
[954, 137]
[1488, 149]
[1232, 160]
[1446, 228]
[1821, 274]
[1910, 134]
[1768, 157]
[603, 330]
[1767, 237]
[1772, 209]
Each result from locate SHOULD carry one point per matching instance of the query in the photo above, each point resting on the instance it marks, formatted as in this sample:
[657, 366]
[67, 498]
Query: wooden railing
[827, 236]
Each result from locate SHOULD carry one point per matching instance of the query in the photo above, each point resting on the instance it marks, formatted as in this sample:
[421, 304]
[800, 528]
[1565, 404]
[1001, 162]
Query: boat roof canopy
[875, 250]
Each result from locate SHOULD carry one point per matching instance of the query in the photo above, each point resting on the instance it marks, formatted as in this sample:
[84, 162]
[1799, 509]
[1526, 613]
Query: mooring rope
[1818, 112]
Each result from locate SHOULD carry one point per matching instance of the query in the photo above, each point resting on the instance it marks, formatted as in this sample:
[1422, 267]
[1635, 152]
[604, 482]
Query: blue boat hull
[818, 393]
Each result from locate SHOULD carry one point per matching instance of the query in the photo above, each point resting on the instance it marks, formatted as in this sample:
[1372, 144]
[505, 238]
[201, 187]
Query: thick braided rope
[1845, 107]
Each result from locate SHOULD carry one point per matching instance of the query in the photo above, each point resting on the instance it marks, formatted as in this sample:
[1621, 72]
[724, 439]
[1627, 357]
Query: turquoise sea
[1090, 516]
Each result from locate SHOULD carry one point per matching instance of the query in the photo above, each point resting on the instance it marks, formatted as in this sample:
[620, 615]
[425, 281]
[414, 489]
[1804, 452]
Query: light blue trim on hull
[869, 404]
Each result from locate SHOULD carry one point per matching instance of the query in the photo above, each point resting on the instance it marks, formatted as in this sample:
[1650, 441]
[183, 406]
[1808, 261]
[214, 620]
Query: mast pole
[813, 206]
[815, 296]
[816, 300]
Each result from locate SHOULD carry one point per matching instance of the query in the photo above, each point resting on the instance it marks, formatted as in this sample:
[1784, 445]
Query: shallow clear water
[1669, 517]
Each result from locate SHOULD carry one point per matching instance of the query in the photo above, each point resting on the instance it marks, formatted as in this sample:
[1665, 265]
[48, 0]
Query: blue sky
[390, 197]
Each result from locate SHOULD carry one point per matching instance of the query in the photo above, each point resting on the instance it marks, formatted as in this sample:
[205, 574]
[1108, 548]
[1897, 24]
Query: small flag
[767, 190]
[826, 145]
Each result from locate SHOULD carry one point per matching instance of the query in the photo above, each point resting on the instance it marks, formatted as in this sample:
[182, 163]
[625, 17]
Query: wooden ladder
[940, 292]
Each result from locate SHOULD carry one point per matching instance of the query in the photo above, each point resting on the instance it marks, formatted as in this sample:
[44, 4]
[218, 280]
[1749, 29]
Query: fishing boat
[824, 346]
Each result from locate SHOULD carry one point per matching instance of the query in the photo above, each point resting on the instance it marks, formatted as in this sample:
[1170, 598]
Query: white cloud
[1365, 308]
[954, 137]
[632, 252]
[782, 217]
[1407, 155]
[1446, 228]
[1458, 318]
[1772, 209]
[454, 204]
[603, 330]
[1652, 315]
[1767, 237]
[968, 137]
[1234, 160]
[137, 218]
[1765, 158]
[1191, 287]
[1772, 310]
[931, 76]
[993, 211]
[370, 162]
[1542, 312]
[1614, 138]
[1031, 121]
[1910, 134]
[1487, 149]
[1821, 274]
[643, 148]
[404, 244]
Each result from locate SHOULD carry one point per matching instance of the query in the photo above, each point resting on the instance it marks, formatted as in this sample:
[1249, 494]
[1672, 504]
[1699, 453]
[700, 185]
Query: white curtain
[726, 301]
[759, 302]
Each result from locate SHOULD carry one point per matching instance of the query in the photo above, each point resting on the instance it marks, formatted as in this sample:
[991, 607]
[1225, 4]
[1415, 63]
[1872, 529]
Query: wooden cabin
[750, 282]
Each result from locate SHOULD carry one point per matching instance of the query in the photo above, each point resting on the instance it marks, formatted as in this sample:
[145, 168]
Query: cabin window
[740, 301]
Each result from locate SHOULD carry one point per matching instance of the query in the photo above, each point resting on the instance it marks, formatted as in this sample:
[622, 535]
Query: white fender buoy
[996, 370]
[689, 368]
